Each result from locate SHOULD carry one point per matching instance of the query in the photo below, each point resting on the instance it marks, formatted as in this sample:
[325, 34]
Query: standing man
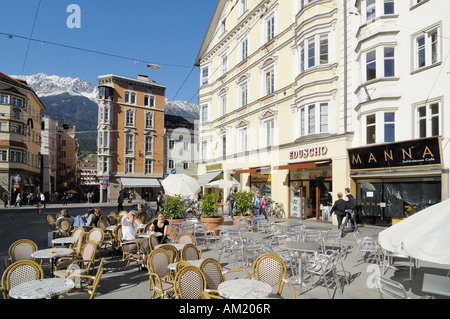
[159, 201]
[351, 205]
[230, 201]
[339, 208]
[256, 201]
[120, 202]
[42, 196]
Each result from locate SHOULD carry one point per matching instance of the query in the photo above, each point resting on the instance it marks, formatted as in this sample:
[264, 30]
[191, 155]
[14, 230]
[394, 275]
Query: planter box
[213, 223]
[172, 224]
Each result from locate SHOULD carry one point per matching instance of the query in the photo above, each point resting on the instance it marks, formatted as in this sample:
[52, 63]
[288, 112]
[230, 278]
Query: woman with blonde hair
[161, 225]
[129, 233]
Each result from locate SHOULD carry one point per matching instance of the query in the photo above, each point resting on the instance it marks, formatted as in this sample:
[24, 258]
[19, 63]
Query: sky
[126, 35]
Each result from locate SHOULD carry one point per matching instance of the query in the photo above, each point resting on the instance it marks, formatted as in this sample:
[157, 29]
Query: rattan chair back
[185, 238]
[21, 250]
[158, 261]
[153, 241]
[171, 250]
[190, 252]
[96, 235]
[97, 278]
[51, 222]
[20, 272]
[213, 272]
[189, 283]
[112, 219]
[64, 226]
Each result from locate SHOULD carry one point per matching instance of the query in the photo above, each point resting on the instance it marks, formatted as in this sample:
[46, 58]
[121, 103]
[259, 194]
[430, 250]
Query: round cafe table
[244, 289]
[52, 253]
[41, 289]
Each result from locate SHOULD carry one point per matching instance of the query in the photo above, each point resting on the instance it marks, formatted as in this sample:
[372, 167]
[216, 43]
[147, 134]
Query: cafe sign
[423, 152]
[308, 152]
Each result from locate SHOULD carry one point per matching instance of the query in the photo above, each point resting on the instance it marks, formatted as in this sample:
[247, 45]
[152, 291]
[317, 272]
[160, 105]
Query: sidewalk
[130, 283]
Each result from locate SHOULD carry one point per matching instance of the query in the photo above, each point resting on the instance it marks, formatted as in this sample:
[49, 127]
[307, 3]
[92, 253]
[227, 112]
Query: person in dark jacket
[339, 208]
[351, 205]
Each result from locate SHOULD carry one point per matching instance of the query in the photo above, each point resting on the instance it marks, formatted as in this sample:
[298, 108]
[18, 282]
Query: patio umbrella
[424, 235]
[181, 184]
[71, 191]
[223, 183]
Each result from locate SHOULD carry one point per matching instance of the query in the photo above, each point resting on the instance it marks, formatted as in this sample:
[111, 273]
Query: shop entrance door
[311, 199]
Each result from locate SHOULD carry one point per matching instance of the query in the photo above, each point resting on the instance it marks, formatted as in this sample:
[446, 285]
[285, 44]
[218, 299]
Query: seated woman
[161, 225]
[65, 214]
[129, 230]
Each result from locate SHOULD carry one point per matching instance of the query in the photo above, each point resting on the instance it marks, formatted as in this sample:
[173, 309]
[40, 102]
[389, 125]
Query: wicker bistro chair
[64, 227]
[20, 272]
[172, 251]
[20, 250]
[129, 253]
[271, 269]
[112, 219]
[51, 222]
[185, 238]
[153, 241]
[190, 252]
[214, 274]
[81, 264]
[190, 283]
[88, 283]
[157, 265]
[96, 235]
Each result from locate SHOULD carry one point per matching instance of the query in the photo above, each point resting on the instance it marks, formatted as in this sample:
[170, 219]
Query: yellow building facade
[273, 113]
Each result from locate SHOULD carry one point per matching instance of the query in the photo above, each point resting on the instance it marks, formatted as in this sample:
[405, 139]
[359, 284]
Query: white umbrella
[223, 183]
[181, 184]
[424, 235]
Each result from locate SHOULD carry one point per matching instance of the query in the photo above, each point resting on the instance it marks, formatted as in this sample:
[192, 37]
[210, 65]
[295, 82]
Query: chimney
[143, 77]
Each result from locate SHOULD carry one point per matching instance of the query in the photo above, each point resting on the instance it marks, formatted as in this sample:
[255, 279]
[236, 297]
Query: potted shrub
[173, 209]
[210, 211]
[243, 202]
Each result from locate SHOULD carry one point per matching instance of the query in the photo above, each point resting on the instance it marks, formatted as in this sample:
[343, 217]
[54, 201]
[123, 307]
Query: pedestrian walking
[159, 201]
[350, 207]
[230, 201]
[339, 208]
[42, 197]
[120, 202]
[18, 200]
[256, 201]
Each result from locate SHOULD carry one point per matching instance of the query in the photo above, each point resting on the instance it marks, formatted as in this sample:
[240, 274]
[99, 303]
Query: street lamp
[153, 66]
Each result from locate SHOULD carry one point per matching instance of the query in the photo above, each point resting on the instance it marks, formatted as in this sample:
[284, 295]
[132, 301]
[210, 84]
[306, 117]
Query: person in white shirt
[129, 231]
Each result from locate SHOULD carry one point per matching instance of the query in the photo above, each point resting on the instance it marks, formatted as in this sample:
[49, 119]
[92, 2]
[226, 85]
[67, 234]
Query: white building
[49, 151]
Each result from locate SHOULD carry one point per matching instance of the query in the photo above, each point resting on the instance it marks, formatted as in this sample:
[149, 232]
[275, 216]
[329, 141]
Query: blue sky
[168, 32]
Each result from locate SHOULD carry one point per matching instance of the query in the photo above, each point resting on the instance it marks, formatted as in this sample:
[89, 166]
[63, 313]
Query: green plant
[173, 207]
[210, 205]
[243, 200]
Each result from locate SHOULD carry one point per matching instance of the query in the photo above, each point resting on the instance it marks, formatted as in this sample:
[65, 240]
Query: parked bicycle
[278, 211]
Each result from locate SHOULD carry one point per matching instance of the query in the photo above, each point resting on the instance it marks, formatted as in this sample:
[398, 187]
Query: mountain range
[73, 101]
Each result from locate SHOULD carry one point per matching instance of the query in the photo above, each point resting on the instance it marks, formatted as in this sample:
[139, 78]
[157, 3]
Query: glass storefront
[311, 193]
[263, 183]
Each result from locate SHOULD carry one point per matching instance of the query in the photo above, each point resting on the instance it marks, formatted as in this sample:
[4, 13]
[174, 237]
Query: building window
[389, 7]
[242, 7]
[3, 156]
[370, 9]
[204, 150]
[204, 113]
[129, 117]
[324, 49]
[149, 101]
[149, 119]
[323, 117]
[129, 165]
[427, 48]
[242, 140]
[244, 49]
[269, 82]
[314, 51]
[429, 120]
[389, 62]
[171, 144]
[371, 65]
[4, 99]
[222, 104]
[223, 145]
[185, 165]
[270, 28]
[269, 133]
[224, 64]
[149, 144]
[302, 57]
[16, 156]
[370, 129]
[389, 127]
[148, 166]
[186, 146]
[171, 164]
[205, 75]
[243, 89]
[314, 119]
[311, 53]
[129, 142]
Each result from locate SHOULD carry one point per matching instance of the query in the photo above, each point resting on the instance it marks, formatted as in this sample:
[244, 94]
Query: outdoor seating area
[256, 259]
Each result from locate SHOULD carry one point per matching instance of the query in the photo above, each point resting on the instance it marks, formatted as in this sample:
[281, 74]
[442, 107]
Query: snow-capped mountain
[51, 85]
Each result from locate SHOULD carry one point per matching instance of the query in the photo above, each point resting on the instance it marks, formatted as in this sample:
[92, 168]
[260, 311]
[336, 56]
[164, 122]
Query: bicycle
[278, 210]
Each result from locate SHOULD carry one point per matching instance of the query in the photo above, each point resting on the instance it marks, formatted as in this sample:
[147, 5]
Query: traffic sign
[173, 171]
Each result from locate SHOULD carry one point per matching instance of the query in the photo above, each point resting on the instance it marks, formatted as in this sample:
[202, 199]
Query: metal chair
[390, 289]
[367, 248]
[190, 252]
[323, 265]
[84, 281]
[157, 265]
[333, 238]
[271, 269]
[20, 272]
[20, 250]
[313, 236]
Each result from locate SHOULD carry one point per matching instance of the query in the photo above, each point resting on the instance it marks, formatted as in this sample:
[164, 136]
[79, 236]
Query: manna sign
[422, 152]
